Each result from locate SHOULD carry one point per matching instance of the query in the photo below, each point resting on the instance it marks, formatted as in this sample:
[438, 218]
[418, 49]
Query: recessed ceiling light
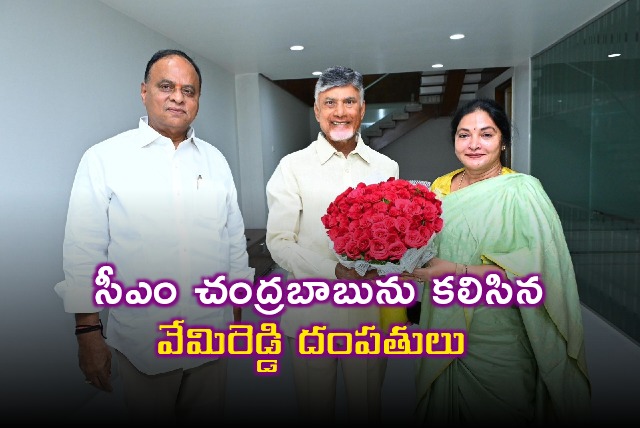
[437, 66]
[613, 55]
[296, 47]
[456, 36]
[317, 73]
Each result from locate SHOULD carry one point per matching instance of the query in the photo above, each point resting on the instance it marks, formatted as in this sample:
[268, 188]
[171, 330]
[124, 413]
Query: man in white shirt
[298, 194]
[158, 204]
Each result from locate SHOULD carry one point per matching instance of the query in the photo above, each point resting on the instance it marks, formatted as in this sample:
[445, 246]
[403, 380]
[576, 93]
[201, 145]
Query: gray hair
[339, 76]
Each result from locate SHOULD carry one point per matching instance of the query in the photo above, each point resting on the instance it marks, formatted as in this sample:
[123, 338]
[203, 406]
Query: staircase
[440, 94]
[395, 125]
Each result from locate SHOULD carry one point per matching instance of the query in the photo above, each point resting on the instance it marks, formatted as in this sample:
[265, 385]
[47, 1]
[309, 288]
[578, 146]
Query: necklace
[465, 171]
[461, 177]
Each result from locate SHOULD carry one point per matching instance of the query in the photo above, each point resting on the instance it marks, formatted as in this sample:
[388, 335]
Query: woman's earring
[503, 148]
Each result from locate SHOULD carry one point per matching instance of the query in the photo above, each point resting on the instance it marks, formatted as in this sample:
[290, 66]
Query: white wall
[285, 126]
[426, 152]
[271, 124]
[251, 150]
[520, 76]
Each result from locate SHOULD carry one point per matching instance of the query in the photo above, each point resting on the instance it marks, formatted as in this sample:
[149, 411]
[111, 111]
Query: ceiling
[371, 36]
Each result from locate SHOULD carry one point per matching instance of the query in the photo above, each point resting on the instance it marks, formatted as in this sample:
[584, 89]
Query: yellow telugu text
[317, 340]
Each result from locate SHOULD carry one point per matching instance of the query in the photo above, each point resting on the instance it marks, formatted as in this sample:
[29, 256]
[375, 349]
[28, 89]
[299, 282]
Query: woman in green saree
[523, 366]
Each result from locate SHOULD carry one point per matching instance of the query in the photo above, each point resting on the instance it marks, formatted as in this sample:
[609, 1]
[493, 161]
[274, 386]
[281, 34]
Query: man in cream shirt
[298, 194]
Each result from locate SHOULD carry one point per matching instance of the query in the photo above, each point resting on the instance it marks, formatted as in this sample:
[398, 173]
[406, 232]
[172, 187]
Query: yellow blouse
[441, 186]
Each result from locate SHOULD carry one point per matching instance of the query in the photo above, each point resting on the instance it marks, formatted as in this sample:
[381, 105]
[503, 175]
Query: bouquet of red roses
[387, 226]
[384, 226]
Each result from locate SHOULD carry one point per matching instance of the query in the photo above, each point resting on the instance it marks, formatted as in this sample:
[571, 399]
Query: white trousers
[195, 395]
[315, 384]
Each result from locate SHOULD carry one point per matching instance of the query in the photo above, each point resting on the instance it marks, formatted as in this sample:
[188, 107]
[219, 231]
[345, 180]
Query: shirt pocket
[211, 204]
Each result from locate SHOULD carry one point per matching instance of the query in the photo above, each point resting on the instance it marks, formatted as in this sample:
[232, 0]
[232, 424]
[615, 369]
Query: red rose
[416, 238]
[378, 250]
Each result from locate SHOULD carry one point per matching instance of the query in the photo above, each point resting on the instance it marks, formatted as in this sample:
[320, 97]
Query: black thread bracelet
[82, 329]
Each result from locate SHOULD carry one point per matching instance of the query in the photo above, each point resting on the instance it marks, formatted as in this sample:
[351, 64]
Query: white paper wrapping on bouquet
[426, 184]
[413, 258]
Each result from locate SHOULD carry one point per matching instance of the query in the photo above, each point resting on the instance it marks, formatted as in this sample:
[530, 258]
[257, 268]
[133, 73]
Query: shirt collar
[325, 150]
[150, 135]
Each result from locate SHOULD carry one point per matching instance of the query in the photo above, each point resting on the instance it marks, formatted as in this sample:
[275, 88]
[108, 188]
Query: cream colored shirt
[298, 194]
[137, 203]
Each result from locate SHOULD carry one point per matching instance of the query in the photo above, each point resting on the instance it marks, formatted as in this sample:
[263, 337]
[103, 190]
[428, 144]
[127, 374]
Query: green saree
[523, 366]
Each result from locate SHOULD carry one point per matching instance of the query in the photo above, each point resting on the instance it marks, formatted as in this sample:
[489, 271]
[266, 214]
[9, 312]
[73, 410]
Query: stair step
[387, 124]
[433, 79]
[473, 87]
[373, 131]
[431, 90]
[413, 107]
[430, 99]
[401, 115]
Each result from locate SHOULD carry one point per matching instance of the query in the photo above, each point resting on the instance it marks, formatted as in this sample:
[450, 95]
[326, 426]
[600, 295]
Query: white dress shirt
[155, 212]
[298, 194]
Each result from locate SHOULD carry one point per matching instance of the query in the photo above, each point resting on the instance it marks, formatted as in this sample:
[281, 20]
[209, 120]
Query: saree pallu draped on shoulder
[523, 365]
